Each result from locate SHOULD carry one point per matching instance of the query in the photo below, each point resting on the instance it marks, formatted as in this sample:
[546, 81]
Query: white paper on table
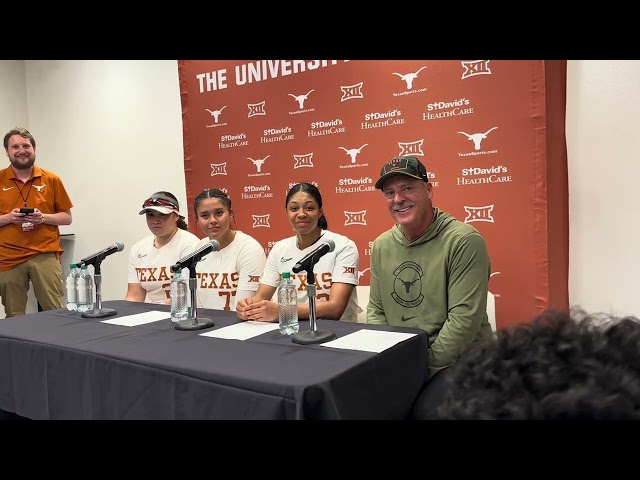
[242, 331]
[139, 318]
[369, 340]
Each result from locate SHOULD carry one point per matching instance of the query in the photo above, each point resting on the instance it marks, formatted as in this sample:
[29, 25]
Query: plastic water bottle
[71, 285]
[85, 290]
[288, 305]
[179, 297]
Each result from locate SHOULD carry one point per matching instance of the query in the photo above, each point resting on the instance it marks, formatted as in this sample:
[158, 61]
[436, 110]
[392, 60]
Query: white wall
[603, 97]
[13, 113]
[13, 96]
[113, 131]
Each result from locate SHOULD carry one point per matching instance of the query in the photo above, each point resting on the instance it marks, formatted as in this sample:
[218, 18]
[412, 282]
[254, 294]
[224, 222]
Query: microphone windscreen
[331, 243]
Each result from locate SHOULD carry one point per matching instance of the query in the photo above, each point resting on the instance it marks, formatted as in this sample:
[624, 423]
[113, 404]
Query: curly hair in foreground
[564, 365]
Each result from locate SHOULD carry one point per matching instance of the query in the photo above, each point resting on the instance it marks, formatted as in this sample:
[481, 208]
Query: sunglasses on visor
[159, 202]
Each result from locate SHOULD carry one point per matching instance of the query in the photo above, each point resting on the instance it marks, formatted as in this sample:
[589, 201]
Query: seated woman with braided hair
[233, 272]
[336, 272]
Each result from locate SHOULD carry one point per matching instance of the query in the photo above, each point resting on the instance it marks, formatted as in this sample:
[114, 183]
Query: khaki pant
[45, 273]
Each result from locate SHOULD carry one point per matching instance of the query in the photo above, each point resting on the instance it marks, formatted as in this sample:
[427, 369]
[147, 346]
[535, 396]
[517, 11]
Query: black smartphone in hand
[26, 210]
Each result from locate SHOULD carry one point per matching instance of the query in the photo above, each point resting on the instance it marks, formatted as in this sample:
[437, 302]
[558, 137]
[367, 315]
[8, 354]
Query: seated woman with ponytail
[231, 273]
[151, 258]
[336, 273]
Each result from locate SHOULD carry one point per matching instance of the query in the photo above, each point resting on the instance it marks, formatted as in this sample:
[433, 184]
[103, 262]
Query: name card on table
[242, 331]
[369, 340]
[139, 318]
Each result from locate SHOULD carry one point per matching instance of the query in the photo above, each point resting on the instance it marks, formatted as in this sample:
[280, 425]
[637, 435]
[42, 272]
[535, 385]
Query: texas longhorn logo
[477, 138]
[259, 162]
[407, 286]
[300, 99]
[353, 152]
[409, 77]
[215, 113]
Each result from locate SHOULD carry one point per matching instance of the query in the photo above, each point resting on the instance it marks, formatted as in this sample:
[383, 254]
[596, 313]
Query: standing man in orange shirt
[30, 242]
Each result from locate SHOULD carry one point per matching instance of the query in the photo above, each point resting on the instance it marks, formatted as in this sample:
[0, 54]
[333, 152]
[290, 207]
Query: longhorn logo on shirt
[407, 287]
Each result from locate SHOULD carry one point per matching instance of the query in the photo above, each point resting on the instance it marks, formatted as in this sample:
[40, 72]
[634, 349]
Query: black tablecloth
[58, 365]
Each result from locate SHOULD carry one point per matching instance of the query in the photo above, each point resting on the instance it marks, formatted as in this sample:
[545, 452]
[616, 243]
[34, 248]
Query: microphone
[98, 257]
[196, 256]
[311, 258]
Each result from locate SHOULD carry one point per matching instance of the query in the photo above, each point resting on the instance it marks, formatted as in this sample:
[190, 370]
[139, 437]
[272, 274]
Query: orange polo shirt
[44, 191]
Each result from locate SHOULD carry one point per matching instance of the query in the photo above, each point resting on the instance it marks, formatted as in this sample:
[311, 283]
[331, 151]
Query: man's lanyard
[20, 190]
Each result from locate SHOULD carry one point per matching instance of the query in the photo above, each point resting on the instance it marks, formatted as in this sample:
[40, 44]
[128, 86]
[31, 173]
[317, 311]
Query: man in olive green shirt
[429, 270]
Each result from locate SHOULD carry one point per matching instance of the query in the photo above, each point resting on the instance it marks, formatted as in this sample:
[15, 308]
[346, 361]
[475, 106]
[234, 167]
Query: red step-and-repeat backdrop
[255, 128]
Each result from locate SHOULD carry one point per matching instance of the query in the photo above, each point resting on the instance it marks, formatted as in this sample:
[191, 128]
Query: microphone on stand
[95, 260]
[196, 256]
[312, 258]
[190, 261]
[313, 335]
[98, 257]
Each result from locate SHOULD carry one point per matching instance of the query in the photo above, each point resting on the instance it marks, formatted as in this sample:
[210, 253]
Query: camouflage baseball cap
[402, 165]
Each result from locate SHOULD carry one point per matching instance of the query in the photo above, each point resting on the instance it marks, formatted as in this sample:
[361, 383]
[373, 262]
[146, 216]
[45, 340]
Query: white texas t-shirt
[230, 274]
[340, 266]
[151, 267]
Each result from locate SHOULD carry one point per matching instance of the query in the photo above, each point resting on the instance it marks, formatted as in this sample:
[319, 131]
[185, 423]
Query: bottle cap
[72, 265]
[286, 274]
[177, 270]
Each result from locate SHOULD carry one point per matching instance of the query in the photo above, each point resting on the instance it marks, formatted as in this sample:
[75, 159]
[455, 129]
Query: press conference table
[58, 365]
